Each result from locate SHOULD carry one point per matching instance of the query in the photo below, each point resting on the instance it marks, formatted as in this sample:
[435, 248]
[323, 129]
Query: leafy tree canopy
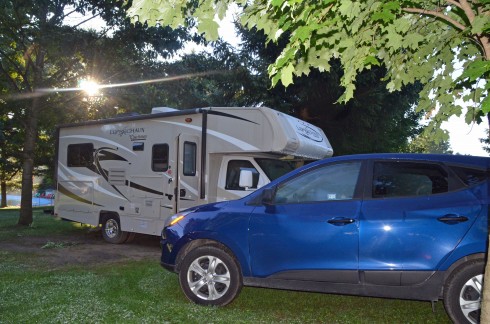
[376, 120]
[429, 41]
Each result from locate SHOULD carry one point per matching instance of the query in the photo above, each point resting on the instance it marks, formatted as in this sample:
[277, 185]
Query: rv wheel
[111, 230]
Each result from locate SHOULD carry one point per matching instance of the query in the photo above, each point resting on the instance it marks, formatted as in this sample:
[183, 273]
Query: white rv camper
[129, 174]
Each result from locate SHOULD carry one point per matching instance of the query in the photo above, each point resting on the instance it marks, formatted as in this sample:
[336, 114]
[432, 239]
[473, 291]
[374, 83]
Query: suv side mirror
[268, 196]
[246, 179]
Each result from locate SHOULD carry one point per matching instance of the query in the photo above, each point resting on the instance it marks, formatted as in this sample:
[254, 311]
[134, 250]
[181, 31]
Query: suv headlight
[174, 219]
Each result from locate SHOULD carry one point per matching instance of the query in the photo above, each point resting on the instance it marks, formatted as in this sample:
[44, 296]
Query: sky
[463, 138]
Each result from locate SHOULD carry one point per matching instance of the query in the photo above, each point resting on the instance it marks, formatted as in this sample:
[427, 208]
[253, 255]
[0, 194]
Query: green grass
[142, 292]
[42, 225]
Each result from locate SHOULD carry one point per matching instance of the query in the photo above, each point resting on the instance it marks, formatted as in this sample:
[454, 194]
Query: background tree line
[39, 52]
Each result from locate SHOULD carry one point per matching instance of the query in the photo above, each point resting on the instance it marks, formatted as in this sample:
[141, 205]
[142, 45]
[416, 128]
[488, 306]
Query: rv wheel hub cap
[111, 228]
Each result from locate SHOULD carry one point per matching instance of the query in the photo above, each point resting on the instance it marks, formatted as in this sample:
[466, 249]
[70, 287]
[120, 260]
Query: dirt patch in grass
[84, 249]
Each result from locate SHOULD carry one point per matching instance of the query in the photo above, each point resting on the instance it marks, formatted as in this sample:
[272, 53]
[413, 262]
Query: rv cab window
[159, 157]
[233, 174]
[80, 155]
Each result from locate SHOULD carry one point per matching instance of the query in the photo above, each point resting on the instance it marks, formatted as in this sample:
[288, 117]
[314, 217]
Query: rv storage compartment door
[189, 157]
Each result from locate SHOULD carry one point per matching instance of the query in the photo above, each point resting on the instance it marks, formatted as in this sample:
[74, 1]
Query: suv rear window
[470, 176]
[403, 179]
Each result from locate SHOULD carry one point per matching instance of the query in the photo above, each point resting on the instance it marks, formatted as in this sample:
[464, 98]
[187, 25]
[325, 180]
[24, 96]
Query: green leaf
[371, 60]
[287, 75]
[209, 27]
[303, 33]
[485, 105]
[277, 3]
[479, 24]
[384, 16]
[476, 70]
[346, 8]
[413, 40]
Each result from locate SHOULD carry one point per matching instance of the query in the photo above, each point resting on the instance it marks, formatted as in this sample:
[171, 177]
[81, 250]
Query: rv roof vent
[158, 110]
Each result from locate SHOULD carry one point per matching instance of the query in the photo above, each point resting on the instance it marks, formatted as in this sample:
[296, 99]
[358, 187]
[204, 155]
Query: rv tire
[111, 229]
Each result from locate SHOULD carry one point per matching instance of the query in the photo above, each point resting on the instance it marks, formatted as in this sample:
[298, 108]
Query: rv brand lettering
[127, 131]
[137, 137]
[308, 132]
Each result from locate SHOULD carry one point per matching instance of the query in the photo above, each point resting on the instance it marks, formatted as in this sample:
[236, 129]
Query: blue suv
[411, 226]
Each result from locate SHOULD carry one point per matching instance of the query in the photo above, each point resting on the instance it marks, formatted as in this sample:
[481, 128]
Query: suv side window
[405, 179]
[332, 182]
[470, 176]
[233, 174]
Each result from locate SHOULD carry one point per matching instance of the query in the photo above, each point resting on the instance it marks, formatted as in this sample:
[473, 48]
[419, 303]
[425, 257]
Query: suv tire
[210, 276]
[463, 292]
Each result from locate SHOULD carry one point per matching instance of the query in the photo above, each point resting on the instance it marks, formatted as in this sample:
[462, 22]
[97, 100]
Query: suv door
[310, 232]
[414, 218]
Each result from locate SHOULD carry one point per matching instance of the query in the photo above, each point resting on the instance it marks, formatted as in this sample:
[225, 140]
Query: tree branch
[467, 10]
[455, 3]
[437, 14]
[83, 22]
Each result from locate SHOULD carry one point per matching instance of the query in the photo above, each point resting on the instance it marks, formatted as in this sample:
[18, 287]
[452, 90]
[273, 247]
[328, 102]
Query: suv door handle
[340, 221]
[452, 219]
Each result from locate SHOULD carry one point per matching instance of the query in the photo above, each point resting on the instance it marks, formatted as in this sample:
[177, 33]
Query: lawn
[140, 291]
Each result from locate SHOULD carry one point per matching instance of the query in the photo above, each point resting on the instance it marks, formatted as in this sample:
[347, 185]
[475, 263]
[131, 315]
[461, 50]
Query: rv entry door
[187, 194]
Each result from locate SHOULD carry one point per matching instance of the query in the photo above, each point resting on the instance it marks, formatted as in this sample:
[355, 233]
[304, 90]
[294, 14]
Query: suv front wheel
[210, 276]
[463, 292]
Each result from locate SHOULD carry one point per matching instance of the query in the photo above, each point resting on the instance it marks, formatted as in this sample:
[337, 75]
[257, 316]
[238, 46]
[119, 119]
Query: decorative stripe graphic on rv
[146, 189]
[70, 194]
[102, 154]
[219, 113]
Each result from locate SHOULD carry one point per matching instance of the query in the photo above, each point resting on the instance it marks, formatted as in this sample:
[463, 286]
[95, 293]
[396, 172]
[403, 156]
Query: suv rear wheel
[210, 276]
[463, 292]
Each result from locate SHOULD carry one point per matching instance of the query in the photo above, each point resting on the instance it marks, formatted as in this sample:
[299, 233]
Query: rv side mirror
[268, 196]
[246, 179]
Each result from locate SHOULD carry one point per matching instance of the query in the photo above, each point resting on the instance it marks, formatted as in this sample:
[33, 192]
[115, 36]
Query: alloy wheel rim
[208, 277]
[470, 298]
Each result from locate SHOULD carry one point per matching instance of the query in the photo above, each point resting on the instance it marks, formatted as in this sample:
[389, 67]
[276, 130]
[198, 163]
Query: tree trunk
[485, 311]
[32, 114]
[3, 189]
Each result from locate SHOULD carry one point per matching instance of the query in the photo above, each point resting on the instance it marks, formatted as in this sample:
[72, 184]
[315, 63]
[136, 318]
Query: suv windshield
[275, 168]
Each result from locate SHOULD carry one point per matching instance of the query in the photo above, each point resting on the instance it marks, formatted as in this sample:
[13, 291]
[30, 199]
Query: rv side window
[190, 150]
[233, 174]
[159, 157]
[80, 155]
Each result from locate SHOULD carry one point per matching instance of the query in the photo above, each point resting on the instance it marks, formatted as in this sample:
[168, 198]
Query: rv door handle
[183, 192]
[452, 219]
[170, 180]
[341, 221]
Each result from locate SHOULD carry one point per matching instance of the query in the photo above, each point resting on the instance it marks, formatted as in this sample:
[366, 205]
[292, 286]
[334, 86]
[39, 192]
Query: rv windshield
[275, 168]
